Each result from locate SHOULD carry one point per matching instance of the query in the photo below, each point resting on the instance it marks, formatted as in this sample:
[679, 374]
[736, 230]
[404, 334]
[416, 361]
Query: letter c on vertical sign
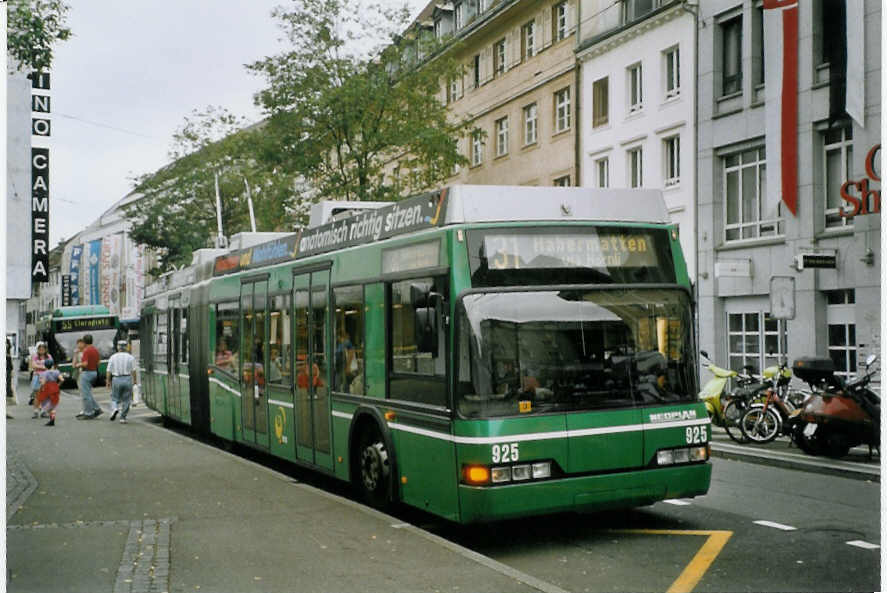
[870, 160]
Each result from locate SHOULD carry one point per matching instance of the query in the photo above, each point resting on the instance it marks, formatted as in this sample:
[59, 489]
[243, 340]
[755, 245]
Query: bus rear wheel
[372, 469]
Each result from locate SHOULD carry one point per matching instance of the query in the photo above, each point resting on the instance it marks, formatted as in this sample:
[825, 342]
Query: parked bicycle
[726, 408]
[763, 421]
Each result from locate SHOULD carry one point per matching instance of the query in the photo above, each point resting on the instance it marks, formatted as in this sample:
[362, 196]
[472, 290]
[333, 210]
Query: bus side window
[227, 336]
[349, 331]
[418, 359]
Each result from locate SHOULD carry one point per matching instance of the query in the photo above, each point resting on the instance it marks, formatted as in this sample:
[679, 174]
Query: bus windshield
[65, 343]
[558, 351]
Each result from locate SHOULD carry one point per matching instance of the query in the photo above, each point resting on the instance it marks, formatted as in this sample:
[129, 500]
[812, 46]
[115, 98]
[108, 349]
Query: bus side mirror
[425, 324]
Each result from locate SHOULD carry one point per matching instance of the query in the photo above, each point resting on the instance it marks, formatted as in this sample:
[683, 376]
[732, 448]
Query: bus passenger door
[312, 392]
[172, 365]
[254, 408]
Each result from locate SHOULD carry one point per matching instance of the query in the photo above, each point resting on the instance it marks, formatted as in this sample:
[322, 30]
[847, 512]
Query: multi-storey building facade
[637, 102]
[748, 246]
[518, 87]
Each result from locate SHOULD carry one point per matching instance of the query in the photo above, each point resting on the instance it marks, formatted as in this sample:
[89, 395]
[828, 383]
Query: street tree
[354, 105]
[33, 27]
[176, 211]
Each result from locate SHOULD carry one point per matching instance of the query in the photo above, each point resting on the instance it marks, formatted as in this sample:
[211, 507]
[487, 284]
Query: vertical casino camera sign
[40, 128]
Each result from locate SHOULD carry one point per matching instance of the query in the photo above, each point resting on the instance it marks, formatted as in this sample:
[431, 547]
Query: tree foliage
[350, 109]
[176, 213]
[33, 27]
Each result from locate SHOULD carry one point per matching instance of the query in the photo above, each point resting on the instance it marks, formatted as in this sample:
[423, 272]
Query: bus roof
[81, 311]
[458, 204]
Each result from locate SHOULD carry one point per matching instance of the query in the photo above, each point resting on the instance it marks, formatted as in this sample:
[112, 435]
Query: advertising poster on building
[93, 283]
[76, 252]
[111, 271]
[134, 280]
[105, 272]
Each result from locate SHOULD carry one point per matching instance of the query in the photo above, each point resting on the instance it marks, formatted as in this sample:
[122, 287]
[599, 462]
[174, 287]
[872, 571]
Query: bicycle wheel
[759, 425]
[733, 412]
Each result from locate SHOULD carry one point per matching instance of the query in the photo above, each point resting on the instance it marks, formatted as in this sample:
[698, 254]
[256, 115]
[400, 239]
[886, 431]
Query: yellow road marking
[698, 566]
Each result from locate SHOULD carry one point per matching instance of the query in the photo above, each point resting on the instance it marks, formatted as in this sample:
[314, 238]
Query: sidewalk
[783, 453]
[97, 506]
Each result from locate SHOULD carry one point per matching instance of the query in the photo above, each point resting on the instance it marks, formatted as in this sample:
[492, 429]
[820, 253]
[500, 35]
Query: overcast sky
[126, 79]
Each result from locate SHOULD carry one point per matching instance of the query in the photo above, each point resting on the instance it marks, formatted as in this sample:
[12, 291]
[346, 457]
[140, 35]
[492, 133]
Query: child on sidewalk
[48, 397]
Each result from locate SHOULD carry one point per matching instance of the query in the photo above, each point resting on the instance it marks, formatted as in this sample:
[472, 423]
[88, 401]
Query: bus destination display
[85, 324]
[601, 250]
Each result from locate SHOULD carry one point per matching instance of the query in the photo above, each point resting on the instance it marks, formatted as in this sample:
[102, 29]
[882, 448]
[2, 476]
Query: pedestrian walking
[9, 392]
[37, 364]
[121, 376]
[88, 374]
[47, 399]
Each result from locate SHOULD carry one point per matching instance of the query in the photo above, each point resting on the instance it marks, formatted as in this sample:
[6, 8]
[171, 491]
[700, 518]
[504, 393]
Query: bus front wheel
[372, 468]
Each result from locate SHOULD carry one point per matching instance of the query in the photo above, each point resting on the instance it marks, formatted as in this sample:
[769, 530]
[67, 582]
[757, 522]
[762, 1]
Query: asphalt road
[215, 523]
[785, 530]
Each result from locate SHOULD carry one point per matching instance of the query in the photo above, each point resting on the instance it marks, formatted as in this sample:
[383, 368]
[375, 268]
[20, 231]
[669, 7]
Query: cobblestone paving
[20, 483]
[145, 564]
[144, 567]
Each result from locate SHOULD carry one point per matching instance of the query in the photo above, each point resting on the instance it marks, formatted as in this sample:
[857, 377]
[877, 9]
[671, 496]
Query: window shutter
[571, 17]
[512, 48]
[546, 28]
[486, 65]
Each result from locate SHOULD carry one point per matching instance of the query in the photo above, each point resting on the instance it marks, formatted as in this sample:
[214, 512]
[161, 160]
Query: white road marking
[677, 502]
[865, 545]
[776, 525]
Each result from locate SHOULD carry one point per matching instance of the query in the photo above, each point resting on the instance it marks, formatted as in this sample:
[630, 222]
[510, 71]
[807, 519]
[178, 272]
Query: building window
[562, 110]
[756, 340]
[731, 52]
[499, 57]
[502, 136]
[635, 9]
[528, 40]
[602, 172]
[745, 190]
[672, 72]
[477, 149]
[833, 44]
[562, 181]
[672, 150]
[841, 321]
[600, 94]
[530, 124]
[636, 167]
[476, 70]
[484, 5]
[635, 88]
[757, 42]
[559, 21]
[837, 145]
[459, 16]
[453, 90]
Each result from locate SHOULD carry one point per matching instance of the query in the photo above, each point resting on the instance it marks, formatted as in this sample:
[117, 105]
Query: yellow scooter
[725, 409]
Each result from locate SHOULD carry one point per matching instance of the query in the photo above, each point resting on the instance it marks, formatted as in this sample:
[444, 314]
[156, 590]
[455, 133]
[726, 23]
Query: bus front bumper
[585, 493]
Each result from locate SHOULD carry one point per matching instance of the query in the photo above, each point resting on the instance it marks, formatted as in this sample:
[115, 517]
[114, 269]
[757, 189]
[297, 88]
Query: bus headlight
[665, 457]
[542, 470]
[682, 455]
[520, 472]
[501, 474]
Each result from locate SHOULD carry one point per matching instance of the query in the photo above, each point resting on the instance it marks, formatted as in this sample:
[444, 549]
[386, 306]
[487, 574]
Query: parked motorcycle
[725, 408]
[839, 415]
[764, 421]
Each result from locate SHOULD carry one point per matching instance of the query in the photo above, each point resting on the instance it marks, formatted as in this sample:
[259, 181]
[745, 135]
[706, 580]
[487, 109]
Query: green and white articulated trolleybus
[65, 325]
[480, 352]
